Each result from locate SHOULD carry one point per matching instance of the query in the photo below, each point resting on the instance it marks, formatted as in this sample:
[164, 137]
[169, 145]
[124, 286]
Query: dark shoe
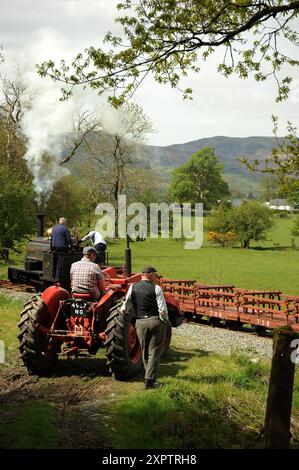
[151, 385]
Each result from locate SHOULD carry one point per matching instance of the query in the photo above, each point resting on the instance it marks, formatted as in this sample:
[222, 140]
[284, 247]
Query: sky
[36, 30]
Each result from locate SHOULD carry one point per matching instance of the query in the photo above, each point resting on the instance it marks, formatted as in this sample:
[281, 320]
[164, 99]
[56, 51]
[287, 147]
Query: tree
[221, 220]
[251, 221]
[16, 190]
[17, 193]
[269, 188]
[70, 199]
[12, 140]
[200, 179]
[16, 207]
[284, 160]
[283, 165]
[145, 186]
[289, 188]
[167, 39]
[109, 157]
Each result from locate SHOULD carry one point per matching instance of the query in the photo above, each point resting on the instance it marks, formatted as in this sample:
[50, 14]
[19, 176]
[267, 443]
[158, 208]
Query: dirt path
[81, 393]
[83, 400]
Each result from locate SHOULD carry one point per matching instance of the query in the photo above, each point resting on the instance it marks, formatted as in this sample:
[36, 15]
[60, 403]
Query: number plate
[80, 308]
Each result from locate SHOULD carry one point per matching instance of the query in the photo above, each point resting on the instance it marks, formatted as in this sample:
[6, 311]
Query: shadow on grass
[92, 367]
[177, 360]
[273, 248]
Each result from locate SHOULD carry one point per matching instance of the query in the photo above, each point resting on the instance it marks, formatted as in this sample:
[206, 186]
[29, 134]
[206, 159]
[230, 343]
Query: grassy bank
[208, 400]
[9, 319]
[31, 427]
[207, 403]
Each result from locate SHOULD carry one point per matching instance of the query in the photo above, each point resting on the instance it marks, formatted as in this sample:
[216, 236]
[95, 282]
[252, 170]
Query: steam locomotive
[40, 262]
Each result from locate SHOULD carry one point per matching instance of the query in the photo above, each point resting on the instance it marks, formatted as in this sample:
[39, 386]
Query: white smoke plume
[45, 123]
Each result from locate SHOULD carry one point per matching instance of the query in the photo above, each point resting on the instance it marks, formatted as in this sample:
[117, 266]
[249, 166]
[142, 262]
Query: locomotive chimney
[40, 224]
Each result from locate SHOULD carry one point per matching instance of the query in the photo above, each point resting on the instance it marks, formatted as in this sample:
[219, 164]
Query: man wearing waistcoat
[151, 317]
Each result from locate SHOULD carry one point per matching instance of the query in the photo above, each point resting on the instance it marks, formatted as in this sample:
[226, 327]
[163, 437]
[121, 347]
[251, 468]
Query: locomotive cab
[40, 263]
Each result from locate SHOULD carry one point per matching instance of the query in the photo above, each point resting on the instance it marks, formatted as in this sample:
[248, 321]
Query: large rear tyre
[123, 351]
[38, 351]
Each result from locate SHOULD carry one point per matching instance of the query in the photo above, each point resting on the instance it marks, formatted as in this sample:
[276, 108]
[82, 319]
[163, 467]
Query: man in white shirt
[98, 243]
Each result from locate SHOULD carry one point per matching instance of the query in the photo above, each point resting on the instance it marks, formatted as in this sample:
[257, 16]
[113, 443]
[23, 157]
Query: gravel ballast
[193, 336]
[15, 294]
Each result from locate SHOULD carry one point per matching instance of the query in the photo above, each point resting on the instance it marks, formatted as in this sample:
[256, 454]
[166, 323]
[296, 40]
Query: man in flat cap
[151, 317]
[86, 276]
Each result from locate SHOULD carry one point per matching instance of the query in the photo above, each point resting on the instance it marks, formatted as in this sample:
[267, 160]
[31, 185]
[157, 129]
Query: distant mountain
[228, 149]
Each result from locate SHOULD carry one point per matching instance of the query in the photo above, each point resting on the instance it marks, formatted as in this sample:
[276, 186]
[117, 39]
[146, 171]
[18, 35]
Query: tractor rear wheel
[123, 351]
[38, 352]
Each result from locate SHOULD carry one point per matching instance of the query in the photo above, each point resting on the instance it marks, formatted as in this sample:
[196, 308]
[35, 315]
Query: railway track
[227, 326]
[17, 287]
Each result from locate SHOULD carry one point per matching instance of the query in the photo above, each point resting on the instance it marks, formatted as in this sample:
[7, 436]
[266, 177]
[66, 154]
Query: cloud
[35, 30]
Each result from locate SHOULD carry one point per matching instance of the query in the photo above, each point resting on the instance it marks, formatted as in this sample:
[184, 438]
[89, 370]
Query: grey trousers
[150, 332]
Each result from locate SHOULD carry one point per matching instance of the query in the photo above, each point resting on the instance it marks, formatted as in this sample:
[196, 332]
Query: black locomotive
[40, 262]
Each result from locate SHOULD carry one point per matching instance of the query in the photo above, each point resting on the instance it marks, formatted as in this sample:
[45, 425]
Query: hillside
[228, 150]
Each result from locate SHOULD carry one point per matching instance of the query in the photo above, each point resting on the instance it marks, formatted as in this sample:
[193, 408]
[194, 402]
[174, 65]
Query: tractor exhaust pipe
[40, 224]
[128, 258]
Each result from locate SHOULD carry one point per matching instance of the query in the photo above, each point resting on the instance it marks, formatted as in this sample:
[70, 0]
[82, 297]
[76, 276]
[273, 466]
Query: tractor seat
[79, 295]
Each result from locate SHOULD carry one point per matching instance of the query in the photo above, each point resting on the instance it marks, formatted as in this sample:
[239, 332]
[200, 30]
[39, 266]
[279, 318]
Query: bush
[248, 222]
[223, 239]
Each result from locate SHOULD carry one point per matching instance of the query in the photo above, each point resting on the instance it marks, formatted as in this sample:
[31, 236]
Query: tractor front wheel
[38, 351]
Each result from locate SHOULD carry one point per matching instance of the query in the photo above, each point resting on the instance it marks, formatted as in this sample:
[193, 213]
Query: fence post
[280, 393]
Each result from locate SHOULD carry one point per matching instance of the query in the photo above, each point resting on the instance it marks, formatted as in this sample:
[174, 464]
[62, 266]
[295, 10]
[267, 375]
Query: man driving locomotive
[86, 275]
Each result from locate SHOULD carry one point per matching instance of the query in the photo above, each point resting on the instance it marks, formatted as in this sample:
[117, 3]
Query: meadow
[271, 264]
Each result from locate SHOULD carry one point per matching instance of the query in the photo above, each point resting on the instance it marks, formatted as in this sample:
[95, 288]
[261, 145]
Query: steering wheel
[107, 278]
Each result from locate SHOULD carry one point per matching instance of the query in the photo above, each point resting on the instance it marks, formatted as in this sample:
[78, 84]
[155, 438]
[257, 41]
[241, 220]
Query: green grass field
[270, 264]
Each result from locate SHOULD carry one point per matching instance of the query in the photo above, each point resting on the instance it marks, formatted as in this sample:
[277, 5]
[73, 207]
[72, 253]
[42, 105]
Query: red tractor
[56, 322]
